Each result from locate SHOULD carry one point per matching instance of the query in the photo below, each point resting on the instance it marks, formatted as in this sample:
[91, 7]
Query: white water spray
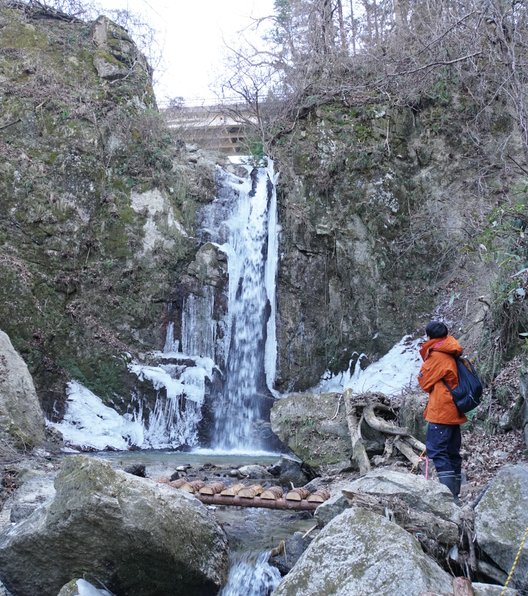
[250, 574]
[241, 222]
[251, 247]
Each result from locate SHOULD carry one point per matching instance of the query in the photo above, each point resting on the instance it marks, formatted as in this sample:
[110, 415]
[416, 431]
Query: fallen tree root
[359, 452]
[407, 450]
[382, 425]
[363, 407]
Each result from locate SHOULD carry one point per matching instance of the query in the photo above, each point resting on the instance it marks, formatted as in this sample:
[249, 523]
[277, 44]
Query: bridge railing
[224, 126]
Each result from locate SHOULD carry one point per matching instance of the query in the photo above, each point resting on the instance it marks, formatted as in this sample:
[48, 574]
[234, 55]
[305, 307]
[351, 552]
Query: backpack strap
[455, 358]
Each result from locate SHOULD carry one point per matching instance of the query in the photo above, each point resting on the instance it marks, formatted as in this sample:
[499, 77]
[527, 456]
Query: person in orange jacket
[443, 438]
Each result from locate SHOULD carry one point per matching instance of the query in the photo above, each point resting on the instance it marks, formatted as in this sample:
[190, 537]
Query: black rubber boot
[453, 484]
[458, 482]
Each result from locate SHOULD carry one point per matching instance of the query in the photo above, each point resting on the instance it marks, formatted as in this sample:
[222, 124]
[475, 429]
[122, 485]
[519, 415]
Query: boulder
[501, 520]
[253, 471]
[481, 589]
[21, 418]
[360, 552]
[291, 471]
[419, 493]
[423, 508]
[307, 424]
[133, 535]
[331, 508]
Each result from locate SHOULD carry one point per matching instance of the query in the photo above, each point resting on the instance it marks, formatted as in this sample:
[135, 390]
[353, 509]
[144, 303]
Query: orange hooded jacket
[439, 365]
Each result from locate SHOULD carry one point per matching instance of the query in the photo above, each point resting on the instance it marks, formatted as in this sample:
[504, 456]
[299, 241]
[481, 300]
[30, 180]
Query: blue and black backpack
[467, 394]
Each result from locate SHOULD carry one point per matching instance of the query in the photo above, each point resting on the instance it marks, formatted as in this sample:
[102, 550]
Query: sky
[190, 36]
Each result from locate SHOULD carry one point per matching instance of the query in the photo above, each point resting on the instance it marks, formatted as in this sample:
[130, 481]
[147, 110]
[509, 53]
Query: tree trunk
[358, 449]
[353, 27]
[342, 31]
[258, 502]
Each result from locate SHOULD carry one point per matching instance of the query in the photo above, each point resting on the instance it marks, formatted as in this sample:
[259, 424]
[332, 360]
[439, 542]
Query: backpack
[468, 392]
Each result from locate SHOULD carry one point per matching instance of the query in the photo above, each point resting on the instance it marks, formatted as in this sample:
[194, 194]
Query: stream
[251, 532]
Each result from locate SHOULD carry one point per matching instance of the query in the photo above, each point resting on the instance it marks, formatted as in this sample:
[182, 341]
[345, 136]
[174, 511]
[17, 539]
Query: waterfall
[250, 349]
[180, 383]
[250, 574]
[171, 344]
[226, 368]
[198, 328]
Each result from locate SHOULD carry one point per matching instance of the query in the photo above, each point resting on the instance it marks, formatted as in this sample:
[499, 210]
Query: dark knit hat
[436, 329]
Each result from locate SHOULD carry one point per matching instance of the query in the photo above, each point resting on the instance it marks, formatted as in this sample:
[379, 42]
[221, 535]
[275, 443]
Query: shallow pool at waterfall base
[156, 459]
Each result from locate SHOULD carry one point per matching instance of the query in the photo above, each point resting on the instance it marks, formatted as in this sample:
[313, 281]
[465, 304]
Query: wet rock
[294, 546]
[253, 471]
[294, 472]
[137, 470]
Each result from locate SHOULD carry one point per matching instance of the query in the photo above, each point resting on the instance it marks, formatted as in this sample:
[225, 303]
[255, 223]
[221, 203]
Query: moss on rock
[77, 288]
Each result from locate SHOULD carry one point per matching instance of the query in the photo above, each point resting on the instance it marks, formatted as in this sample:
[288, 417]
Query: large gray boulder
[21, 418]
[307, 424]
[501, 520]
[314, 427]
[360, 552]
[133, 535]
[418, 493]
[426, 506]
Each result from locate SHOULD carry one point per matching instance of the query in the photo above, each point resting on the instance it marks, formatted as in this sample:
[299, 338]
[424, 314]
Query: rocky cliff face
[384, 213]
[97, 201]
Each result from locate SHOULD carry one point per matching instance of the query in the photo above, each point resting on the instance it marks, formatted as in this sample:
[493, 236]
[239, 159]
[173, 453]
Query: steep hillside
[390, 214]
[97, 202]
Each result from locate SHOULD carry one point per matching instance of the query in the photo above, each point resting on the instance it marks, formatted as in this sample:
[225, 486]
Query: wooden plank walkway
[254, 495]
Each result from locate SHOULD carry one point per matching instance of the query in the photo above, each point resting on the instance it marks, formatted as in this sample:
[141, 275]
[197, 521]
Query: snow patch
[90, 424]
[392, 374]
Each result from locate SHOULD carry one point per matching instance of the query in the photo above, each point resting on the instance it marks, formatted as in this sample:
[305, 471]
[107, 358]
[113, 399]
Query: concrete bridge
[224, 128]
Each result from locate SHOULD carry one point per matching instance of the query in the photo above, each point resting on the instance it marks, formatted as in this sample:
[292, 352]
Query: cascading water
[251, 248]
[251, 574]
[226, 365]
